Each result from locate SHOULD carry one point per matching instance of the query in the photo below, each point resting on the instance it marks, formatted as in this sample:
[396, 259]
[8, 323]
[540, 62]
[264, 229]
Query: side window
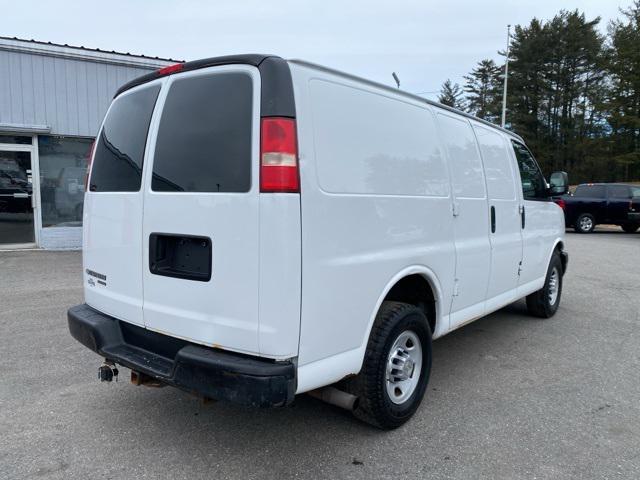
[593, 191]
[117, 163]
[619, 191]
[204, 137]
[635, 191]
[497, 164]
[534, 185]
[581, 191]
[466, 166]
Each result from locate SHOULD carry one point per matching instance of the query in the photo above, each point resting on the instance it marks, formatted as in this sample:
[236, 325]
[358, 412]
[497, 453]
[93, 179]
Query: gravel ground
[510, 397]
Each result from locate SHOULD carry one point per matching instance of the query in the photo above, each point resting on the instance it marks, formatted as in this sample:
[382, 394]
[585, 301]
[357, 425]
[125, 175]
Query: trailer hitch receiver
[107, 371]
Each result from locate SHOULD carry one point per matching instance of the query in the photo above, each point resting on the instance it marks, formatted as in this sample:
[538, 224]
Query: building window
[63, 166]
[19, 139]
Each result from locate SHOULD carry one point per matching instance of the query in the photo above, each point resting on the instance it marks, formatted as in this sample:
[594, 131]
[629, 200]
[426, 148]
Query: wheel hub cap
[404, 364]
[586, 223]
[554, 281]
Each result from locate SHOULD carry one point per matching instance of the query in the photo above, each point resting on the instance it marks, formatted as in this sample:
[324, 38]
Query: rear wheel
[585, 223]
[396, 366]
[630, 227]
[544, 303]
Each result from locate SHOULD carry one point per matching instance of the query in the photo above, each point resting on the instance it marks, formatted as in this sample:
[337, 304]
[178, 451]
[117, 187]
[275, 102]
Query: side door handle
[493, 219]
[522, 216]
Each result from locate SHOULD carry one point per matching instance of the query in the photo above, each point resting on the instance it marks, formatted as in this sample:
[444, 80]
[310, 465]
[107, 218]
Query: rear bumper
[205, 371]
[634, 216]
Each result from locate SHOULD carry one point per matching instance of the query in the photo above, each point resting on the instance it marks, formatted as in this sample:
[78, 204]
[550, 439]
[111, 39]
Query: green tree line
[574, 94]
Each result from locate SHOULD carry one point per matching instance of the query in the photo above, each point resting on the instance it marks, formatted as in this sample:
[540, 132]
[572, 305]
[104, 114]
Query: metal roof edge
[50, 49]
[19, 128]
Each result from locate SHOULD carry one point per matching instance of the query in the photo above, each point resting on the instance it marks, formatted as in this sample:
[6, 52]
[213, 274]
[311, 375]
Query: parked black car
[595, 203]
[634, 214]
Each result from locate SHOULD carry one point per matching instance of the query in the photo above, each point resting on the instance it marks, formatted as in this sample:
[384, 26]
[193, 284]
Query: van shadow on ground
[178, 423]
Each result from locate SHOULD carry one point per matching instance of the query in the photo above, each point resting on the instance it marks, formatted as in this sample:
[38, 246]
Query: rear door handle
[522, 216]
[493, 219]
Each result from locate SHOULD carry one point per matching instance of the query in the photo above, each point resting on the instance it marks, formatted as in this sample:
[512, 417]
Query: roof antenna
[395, 77]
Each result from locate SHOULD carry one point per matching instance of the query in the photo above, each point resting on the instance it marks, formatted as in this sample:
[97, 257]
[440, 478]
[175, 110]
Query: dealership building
[52, 100]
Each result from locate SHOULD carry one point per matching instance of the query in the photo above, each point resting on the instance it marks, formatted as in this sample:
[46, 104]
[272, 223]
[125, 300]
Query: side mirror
[559, 182]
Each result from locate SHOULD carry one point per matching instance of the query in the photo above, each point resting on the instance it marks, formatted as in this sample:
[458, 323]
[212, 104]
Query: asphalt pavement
[510, 397]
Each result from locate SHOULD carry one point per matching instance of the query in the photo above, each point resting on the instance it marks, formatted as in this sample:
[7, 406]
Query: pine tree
[527, 84]
[574, 96]
[484, 90]
[623, 101]
[451, 95]
[555, 89]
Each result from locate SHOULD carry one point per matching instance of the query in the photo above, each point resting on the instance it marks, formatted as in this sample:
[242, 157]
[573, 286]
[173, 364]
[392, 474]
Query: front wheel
[630, 227]
[396, 366]
[544, 303]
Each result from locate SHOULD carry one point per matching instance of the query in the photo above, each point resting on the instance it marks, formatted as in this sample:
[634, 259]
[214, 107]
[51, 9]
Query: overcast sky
[425, 42]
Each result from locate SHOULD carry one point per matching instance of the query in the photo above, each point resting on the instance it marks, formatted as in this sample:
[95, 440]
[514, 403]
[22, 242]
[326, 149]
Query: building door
[17, 202]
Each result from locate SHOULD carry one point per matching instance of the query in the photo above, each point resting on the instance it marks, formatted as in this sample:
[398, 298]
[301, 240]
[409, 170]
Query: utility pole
[395, 77]
[506, 75]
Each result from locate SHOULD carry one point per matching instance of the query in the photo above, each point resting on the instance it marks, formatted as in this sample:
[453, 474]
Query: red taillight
[89, 159]
[278, 155]
[561, 203]
[176, 67]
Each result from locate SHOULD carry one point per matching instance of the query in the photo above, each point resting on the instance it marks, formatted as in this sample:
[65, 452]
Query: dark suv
[595, 203]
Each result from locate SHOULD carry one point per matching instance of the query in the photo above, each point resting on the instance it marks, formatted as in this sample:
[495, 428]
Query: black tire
[375, 406]
[630, 227]
[585, 223]
[539, 303]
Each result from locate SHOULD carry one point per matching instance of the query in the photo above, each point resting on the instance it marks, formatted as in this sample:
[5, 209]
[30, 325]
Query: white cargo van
[256, 228]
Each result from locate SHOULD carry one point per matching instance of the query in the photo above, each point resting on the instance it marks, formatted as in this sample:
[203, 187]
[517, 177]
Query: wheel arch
[405, 283]
[347, 364]
[558, 246]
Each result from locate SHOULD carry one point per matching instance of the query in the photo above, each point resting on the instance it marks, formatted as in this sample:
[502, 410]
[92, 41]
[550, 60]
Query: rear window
[117, 163]
[619, 191]
[204, 138]
[596, 191]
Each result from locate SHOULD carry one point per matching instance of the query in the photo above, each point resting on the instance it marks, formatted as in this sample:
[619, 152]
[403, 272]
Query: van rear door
[200, 235]
[112, 227]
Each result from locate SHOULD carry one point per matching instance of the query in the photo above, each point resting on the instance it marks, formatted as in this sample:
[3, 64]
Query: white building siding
[70, 96]
[56, 95]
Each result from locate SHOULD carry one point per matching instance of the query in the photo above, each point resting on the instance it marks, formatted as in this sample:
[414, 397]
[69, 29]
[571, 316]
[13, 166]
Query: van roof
[593, 184]
[397, 91]
[256, 60]
[277, 88]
